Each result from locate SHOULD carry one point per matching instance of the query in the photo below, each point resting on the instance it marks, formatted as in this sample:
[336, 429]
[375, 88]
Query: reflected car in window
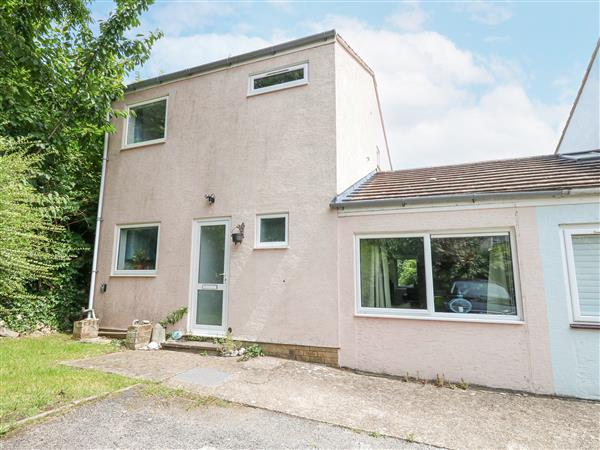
[474, 296]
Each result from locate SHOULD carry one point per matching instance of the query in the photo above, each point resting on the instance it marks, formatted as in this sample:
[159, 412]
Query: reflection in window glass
[137, 248]
[146, 122]
[473, 275]
[272, 229]
[279, 78]
[392, 273]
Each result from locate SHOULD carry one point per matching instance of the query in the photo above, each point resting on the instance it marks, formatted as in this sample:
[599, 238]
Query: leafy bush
[32, 254]
[59, 74]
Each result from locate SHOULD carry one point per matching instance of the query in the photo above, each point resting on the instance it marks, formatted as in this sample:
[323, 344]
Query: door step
[113, 333]
[191, 346]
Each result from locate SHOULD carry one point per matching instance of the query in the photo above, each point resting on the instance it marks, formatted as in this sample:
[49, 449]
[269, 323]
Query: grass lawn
[32, 380]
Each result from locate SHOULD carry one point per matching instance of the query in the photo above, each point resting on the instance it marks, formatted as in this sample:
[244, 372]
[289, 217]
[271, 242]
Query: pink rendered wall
[269, 153]
[512, 356]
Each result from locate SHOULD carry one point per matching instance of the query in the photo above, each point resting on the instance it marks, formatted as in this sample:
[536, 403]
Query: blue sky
[459, 81]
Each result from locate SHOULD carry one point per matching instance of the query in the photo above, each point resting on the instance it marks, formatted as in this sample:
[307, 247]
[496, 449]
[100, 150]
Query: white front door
[210, 273]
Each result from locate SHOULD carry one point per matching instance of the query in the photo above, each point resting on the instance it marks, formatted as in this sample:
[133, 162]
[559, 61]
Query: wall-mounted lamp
[238, 236]
[103, 287]
[210, 198]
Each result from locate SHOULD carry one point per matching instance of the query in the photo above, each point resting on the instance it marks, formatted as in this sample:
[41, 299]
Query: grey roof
[539, 175]
[261, 53]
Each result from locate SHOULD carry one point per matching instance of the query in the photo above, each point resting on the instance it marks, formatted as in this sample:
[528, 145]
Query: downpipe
[90, 308]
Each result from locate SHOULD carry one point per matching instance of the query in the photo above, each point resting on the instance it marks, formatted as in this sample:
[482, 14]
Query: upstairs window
[583, 267]
[274, 80]
[147, 123]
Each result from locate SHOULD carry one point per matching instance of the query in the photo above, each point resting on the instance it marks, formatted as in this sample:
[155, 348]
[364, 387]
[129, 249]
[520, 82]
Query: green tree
[59, 74]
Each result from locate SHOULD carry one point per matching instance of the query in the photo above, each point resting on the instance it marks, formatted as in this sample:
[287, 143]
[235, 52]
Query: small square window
[146, 123]
[137, 249]
[272, 231]
[274, 80]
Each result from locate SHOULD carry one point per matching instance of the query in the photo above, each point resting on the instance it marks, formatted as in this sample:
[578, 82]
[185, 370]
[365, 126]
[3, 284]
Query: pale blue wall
[575, 352]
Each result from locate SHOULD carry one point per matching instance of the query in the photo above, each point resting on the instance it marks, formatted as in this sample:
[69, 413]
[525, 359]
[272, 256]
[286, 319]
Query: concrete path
[443, 417]
[134, 420]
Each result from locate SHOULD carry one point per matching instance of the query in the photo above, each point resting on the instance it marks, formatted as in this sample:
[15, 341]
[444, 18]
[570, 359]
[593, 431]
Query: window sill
[135, 275]
[274, 247]
[144, 144]
[586, 326]
[442, 319]
[276, 88]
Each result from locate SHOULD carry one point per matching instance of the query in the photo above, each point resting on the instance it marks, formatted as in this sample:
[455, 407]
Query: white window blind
[586, 261]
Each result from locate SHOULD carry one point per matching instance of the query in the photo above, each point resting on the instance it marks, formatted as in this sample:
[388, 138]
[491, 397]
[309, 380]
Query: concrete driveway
[451, 418]
[134, 420]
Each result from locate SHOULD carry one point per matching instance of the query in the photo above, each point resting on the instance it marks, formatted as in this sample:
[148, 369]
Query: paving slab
[451, 418]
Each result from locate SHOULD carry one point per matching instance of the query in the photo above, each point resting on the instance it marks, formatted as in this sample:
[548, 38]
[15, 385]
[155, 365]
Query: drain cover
[203, 376]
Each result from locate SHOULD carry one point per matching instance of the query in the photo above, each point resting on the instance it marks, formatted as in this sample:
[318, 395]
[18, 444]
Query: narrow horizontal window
[446, 276]
[272, 231]
[147, 122]
[393, 273]
[278, 79]
[583, 264]
[137, 249]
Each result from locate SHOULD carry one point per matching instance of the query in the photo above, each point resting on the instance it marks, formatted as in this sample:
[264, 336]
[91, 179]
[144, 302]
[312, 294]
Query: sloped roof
[538, 174]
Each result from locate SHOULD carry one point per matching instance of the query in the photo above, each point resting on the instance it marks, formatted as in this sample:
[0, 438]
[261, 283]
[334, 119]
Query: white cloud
[443, 104]
[176, 19]
[503, 123]
[489, 13]
[410, 18]
[180, 52]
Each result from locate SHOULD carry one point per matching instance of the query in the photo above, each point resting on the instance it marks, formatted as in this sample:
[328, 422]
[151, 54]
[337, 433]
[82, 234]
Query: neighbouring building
[258, 192]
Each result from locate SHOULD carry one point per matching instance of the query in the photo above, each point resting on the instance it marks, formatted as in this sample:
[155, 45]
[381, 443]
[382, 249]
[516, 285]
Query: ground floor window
[469, 275]
[136, 249]
[582, 250]
[272, 230]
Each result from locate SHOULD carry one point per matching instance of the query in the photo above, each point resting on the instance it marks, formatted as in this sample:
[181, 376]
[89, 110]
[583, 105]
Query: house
[258, 143]
[226, 191]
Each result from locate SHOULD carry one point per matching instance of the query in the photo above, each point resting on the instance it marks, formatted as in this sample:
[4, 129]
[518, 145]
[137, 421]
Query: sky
[458, 81]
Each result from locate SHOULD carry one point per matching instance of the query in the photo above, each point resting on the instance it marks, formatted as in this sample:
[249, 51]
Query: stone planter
[86, 329]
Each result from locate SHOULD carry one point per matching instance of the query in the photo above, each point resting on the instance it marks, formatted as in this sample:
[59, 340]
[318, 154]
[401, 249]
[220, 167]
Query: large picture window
[137, 250]
[468, 276]
[146, 123]
[582, 249]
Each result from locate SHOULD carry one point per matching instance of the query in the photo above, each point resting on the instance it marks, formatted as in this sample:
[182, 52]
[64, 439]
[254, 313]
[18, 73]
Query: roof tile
[537, 173]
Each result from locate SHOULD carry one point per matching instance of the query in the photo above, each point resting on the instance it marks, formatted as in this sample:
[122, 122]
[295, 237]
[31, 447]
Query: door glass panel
[212, 254]
[209, 307]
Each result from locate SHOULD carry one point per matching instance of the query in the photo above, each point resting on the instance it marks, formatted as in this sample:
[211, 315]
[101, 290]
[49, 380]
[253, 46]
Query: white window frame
[430, 313]
[280, 244]
[124, 143]
[132, 272]
[252, 91]
[571, 277]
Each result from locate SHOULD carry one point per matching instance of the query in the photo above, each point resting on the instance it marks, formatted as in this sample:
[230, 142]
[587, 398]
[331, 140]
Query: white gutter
[474, 197]
[98, 224]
